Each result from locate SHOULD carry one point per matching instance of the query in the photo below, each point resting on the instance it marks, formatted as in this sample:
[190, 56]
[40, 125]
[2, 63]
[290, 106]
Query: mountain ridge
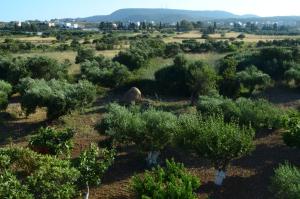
[162, 15]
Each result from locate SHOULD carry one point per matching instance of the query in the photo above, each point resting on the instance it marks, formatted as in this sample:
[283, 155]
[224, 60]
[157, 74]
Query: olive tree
[252, 78]
[60, 97]
[215, 140]
[92, 164]
[150, 130]
[84, 54]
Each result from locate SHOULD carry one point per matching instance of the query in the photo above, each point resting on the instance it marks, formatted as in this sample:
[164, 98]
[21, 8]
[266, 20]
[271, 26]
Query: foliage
[10, 187]
[183, 78]
[285, 182]
[5, 91]
[140, 52]
[201, 79]
[214, 139]
[258, 113]
[93, 163]
[293, 74]
[292, 136]
[59, 97]
[170, 182]
[53, 141]
[172, 49]
[252, 78]
[45, 176]
[105, 72]
[228, 84]
[84, 54]
[46, 68]
[13, 70]
[151, 130]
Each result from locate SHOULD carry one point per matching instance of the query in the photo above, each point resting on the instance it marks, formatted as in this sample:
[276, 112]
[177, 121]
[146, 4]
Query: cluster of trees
[281, 64]
[140, 52]
[108, 42]
[58, 96]
[105, 72]
[281, 43]
[221, 46]
[45, 176]
[260, 114]
[185, 78]
[14, 69]
[152, 130]
[198, 78]
[13, 46]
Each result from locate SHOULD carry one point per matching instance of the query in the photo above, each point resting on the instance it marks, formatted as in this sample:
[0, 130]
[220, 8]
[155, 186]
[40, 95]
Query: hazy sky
[49, 9]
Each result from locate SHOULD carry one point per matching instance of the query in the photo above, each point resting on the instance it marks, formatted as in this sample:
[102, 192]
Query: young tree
[150, 130]
[292, 136]
[92, 164]
[215, 140]
[201, 79]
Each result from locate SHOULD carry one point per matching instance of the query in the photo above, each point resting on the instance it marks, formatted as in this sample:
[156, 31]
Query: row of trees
[152, 131]
[14, 69]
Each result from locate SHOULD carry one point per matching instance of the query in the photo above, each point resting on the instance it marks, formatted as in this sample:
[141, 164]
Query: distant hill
[163, 15]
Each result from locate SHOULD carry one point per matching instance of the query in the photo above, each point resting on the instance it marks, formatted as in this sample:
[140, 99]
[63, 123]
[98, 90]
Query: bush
[140, 52]
[172, 49]
[216, 140]
[183, 78]
[11, 187]
[292, 136]
[45, 176]
[52, 141]
[259, 113]
[105, 72]
[46, 68]
[252, 78]
[92, 164]
[150, 130]
[285, 182]
[5, 91]
[84, 54]
[170, 182]
[59, 97]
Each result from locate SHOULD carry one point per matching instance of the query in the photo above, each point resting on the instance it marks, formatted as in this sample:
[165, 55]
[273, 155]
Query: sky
[50, 9]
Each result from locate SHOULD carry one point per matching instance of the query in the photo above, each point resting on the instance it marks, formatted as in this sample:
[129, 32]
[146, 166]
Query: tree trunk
[87, 193]
[220, 176]
[152, 158]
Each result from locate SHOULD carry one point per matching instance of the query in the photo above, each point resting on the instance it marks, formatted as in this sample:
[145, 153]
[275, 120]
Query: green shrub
[292, 136]
[11, 187]
[59, 97]
[214, 139]
[45, 176]
[170, 182]
[52, 141]
[259, 113]
[252, 78]
[150, 130]
[5, 92]
[92, 164]
[105, 72]
[183, 78]
[285, 183]
[84, 54]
